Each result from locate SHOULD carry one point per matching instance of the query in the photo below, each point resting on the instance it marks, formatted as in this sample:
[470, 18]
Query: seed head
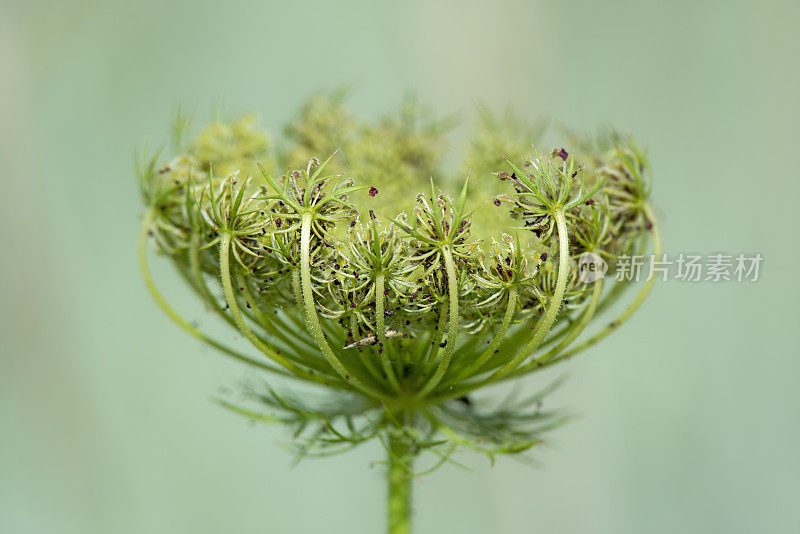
[397, 317]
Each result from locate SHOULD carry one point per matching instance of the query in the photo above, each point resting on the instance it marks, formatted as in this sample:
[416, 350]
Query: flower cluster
[321, 270]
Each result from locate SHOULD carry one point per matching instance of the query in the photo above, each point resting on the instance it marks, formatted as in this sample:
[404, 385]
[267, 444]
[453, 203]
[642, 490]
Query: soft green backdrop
[689, 415]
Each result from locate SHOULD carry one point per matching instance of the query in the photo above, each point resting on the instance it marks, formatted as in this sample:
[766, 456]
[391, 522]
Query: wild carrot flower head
[375, 274]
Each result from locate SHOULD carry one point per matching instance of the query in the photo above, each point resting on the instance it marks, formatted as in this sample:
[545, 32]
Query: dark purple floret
[561, 153]
[543, 256]
[373, 191]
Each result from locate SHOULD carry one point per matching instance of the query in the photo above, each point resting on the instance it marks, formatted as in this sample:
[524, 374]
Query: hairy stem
[308, 299]
[399, 488]
[452, 333]
[197, 275]
[230, 297]
[365, 356]
[180, 321]
[545, 323]
[511, 309]
[587, 315]
[298, 293]
[431, 348]
[633, 306]
[311, 311]
[381, 333]
[260, 318]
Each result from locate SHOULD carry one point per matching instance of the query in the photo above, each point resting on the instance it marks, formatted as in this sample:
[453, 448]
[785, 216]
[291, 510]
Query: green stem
[311, 310]
[365, 356]
[587, 315]
[399, 488]
[431, 347]
[259, 317]
[230, 298]
[197, 275]
[198, 282]
[545, 323]
[452, 333]
[308, 299]
[511, 309]
[180, 321]
[633, 306]
[298, 293]
[380, 321]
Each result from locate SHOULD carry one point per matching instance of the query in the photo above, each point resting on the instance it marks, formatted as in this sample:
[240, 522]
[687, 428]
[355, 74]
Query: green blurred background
[688, 416]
